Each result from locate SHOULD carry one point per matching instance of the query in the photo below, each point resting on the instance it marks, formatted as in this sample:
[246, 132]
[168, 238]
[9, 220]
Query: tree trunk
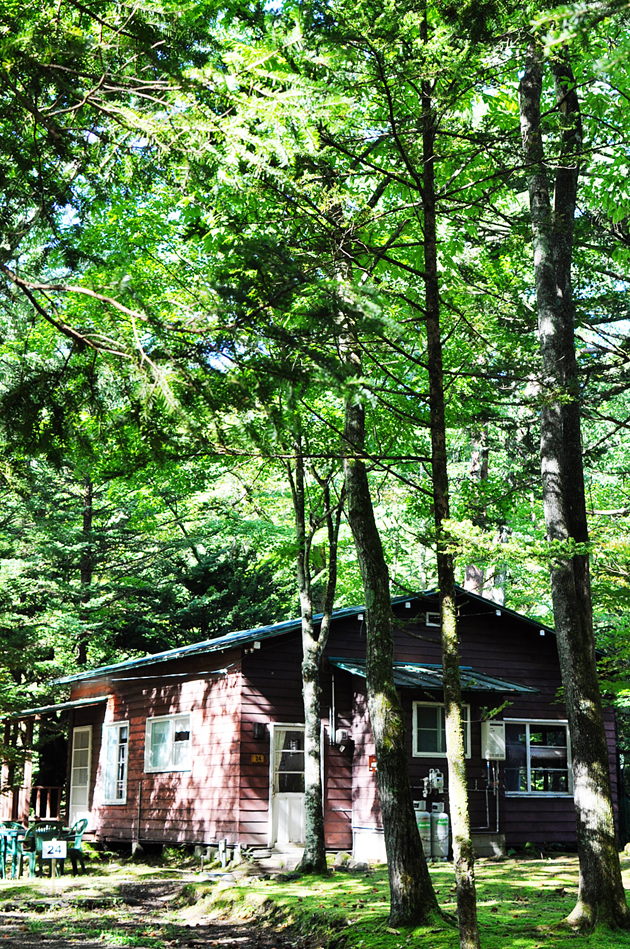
[413, 899]
[464, 863]
[314, 857]
[313, 645]
[475, 576]
[86, 567]
[601, 896]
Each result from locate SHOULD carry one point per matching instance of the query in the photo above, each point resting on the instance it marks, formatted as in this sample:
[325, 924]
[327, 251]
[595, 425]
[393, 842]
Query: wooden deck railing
[31, 803]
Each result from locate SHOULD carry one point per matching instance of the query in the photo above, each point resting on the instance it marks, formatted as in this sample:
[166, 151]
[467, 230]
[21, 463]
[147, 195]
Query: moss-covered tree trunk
[463, 857]
[601, 897]
[412, 897]
[314, 857]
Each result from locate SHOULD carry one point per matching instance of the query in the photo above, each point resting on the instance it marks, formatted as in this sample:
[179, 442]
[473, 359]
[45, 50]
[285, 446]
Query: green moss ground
[522, 903]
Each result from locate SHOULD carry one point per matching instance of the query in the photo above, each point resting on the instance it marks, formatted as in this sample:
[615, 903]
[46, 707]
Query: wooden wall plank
[227, 791]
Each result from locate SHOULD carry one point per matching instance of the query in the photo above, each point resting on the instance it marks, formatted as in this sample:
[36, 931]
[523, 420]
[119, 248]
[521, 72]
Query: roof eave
[59, 707]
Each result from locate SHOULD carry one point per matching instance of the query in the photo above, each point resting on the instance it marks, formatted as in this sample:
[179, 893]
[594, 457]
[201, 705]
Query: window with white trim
[116, 742]
[537, 758]
[429, 733]
[167, 746]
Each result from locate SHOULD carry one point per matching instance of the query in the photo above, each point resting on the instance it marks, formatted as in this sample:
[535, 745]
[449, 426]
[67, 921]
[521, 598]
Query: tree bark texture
[601, 897]
[86, 566]
[463, 856]
[412, 896]
[474, 579]
[314, 857]
[313, 644]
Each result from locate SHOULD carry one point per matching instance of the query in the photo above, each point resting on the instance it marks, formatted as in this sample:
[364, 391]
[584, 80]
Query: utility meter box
[493, 740]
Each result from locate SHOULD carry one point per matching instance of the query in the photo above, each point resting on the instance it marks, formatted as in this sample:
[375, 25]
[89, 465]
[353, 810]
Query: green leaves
[224, 187]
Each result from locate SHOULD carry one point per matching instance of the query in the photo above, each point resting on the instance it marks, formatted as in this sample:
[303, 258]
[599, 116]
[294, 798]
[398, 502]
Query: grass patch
[521, 904]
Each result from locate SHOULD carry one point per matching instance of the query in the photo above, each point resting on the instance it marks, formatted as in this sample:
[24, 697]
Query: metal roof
[211, 645]
[415, 675]
[60, 705]
[245, 636]
[240, 638]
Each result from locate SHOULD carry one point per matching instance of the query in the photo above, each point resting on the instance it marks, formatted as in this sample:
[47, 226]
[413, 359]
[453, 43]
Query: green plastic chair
[3, 854]
[74, 839]
[32, 844]
[11, 836]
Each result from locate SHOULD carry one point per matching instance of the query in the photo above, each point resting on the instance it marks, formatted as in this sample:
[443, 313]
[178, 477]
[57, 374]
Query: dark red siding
[200, 805]
[271, 692]
[338, 765]
[226, 792]
[504, 646]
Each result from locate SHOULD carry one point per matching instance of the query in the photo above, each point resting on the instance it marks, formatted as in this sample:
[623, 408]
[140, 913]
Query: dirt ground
[59, 914]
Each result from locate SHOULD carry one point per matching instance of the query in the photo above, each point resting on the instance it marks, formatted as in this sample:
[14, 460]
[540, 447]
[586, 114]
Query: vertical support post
[5, 807]
[10, 738]
[27, 744]
[135, 843]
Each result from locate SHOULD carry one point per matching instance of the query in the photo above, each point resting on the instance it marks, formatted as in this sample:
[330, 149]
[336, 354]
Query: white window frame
[433, 619]
[119, 745]
[438, 754]
[542, 721]
[77, 811]
[173, 719]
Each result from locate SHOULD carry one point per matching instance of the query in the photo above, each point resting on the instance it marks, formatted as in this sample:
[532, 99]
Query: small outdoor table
[10, 840]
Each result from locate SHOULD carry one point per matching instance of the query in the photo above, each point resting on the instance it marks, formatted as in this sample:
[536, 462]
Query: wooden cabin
[205, 743]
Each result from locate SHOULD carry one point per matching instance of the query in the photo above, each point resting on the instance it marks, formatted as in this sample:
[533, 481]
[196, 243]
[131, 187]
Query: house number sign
[54, 849]
[258, 759]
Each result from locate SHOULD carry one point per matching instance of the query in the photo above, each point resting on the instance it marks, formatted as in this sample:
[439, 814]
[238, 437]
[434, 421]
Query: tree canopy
[199, 180]
[220, 240]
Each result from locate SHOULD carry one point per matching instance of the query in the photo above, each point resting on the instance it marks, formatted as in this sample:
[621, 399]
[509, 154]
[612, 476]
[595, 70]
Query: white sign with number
[54, 849]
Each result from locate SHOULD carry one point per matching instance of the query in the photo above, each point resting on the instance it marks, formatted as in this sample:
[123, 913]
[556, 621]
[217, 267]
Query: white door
[80, 774]
[287, 785]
